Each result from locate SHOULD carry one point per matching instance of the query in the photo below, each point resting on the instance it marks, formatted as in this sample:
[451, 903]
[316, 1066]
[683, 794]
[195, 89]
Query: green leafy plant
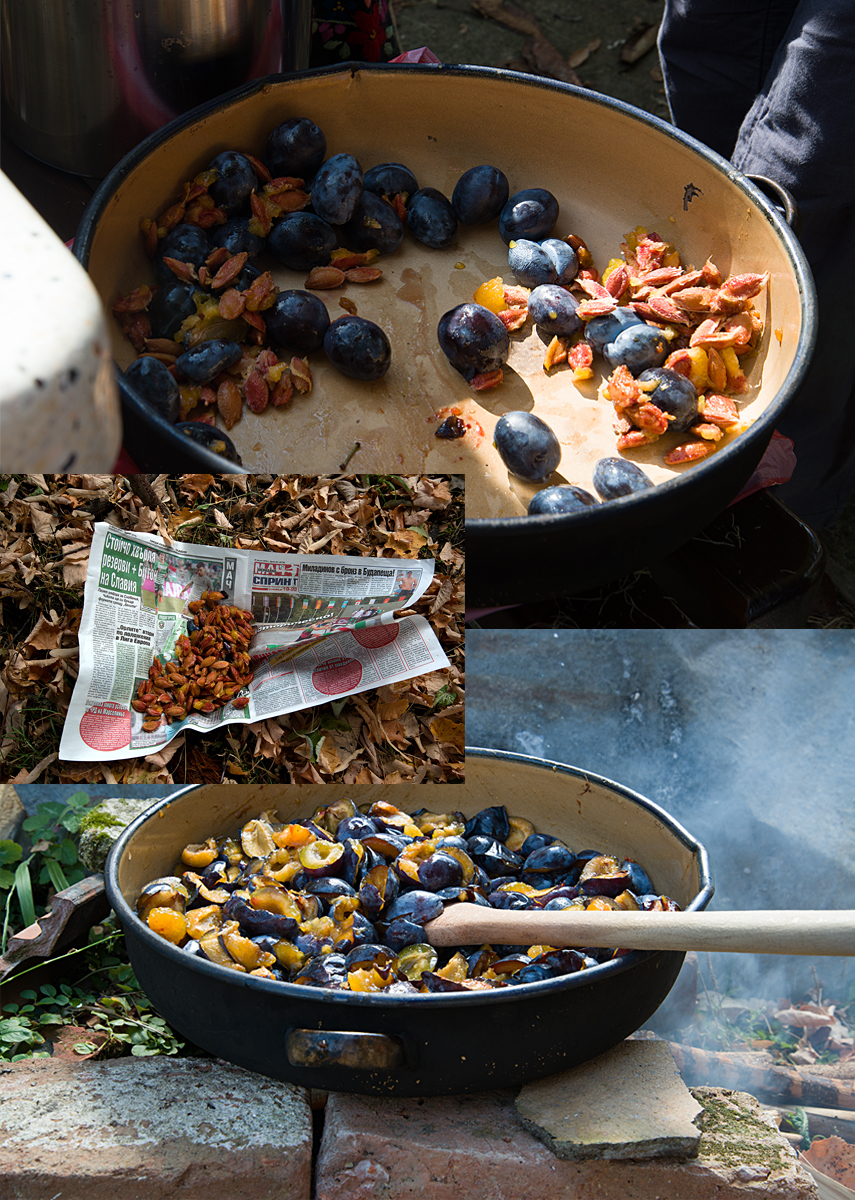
[445, 697]
[106, 1000]
[48, 863]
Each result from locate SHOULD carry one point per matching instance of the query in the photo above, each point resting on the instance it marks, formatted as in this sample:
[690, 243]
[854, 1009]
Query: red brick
[151, 1129]
[475, 1147]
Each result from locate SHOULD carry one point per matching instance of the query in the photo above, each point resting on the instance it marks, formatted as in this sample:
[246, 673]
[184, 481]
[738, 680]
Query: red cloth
[422, 55]
[125, 465]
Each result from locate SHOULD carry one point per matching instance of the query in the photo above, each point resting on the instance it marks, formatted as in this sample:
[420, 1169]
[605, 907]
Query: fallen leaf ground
[411, 731]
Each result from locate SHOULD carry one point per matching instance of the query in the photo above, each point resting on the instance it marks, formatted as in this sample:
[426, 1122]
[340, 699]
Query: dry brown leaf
[548, 61]
[445, 730]
[405, 543]
[514, 18]
[582, 55]
[432, 493]
[833, 1157]
[392, 709]
[184, 520]
[75, 560]
[328, 759]
[45, 523]
[164, 756]
[805, 1017]
[195, 486]
[639, 42]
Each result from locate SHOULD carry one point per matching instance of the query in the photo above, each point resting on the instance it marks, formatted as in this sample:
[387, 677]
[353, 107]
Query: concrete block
[476, 1147]
[151, 1129]
[627, 1103]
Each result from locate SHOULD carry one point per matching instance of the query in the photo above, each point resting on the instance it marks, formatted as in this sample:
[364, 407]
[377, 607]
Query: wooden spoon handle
[782, 932]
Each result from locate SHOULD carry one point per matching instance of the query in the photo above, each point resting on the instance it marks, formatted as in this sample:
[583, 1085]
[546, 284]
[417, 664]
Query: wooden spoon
[781, 932]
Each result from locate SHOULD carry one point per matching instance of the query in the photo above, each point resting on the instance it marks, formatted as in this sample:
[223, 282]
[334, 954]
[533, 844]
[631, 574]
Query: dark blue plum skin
[536, 841]
[492, 822]
[374, 226]
[564, 258]
[236, 181]
[186, 243]
[531, 214]
[301, 241]
[554, 858]
[638, 348]
[473, 339]
[235, 236]
[358, 348]
[337, 189]
[553, 310]
[527, 446]
[203, 362]
[211, 438]
[599, 331]
[431, 219]
[391, 179]
[295, 148]
[531, 264]
[616, 477]
[675, 395]
[480, 194]
[171, 306]
[247, 277]
[156, 385]
[297, 320]
[639, 880]
[563, 498]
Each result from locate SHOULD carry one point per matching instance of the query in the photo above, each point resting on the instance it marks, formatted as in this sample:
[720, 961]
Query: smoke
[747, 738]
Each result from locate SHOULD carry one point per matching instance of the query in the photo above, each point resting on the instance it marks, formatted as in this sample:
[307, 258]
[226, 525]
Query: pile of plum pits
[340, 900]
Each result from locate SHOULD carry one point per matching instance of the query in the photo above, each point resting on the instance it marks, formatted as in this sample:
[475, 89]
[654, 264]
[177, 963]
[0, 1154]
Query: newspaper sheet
[324, 627]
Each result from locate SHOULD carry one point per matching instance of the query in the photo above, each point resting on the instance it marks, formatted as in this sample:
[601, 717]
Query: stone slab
[627, 1103]
[445, 1148]
[102, 825]
[151, 1129]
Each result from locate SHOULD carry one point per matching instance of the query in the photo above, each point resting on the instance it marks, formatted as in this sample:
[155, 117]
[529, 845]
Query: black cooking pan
[413, 1045]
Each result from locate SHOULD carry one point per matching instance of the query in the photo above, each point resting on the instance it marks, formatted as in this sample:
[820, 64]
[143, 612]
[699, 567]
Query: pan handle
[783, 200]
[331, 1048]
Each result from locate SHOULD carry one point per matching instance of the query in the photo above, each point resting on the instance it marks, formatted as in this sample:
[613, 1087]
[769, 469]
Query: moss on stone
[734, 1136]
[98, 818]
[102, 825]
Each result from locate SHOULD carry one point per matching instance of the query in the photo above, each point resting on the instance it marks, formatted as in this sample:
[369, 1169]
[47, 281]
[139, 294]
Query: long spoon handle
[782, 932]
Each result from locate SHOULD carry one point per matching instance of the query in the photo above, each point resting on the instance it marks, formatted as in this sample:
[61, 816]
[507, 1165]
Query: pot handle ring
[332, 1048]
[781, 198]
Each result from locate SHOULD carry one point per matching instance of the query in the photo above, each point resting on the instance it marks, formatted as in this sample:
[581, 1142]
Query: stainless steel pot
[85, 80]
[412, 1045]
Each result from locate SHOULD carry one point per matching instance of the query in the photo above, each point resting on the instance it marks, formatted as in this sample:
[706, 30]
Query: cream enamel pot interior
[412, 1045]
[611, 166]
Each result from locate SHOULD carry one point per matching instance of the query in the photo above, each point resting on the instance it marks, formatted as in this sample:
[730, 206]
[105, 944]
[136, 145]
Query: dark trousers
[768, 84]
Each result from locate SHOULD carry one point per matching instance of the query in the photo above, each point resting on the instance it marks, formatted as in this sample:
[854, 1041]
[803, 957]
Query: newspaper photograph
[189, 636]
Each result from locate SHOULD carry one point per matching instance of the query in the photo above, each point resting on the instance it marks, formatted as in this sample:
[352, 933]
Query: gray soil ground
[457, 33]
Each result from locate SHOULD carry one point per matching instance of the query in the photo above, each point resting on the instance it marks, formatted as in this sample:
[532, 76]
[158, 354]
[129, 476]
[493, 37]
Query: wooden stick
[781, 932]
[772, 1083]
